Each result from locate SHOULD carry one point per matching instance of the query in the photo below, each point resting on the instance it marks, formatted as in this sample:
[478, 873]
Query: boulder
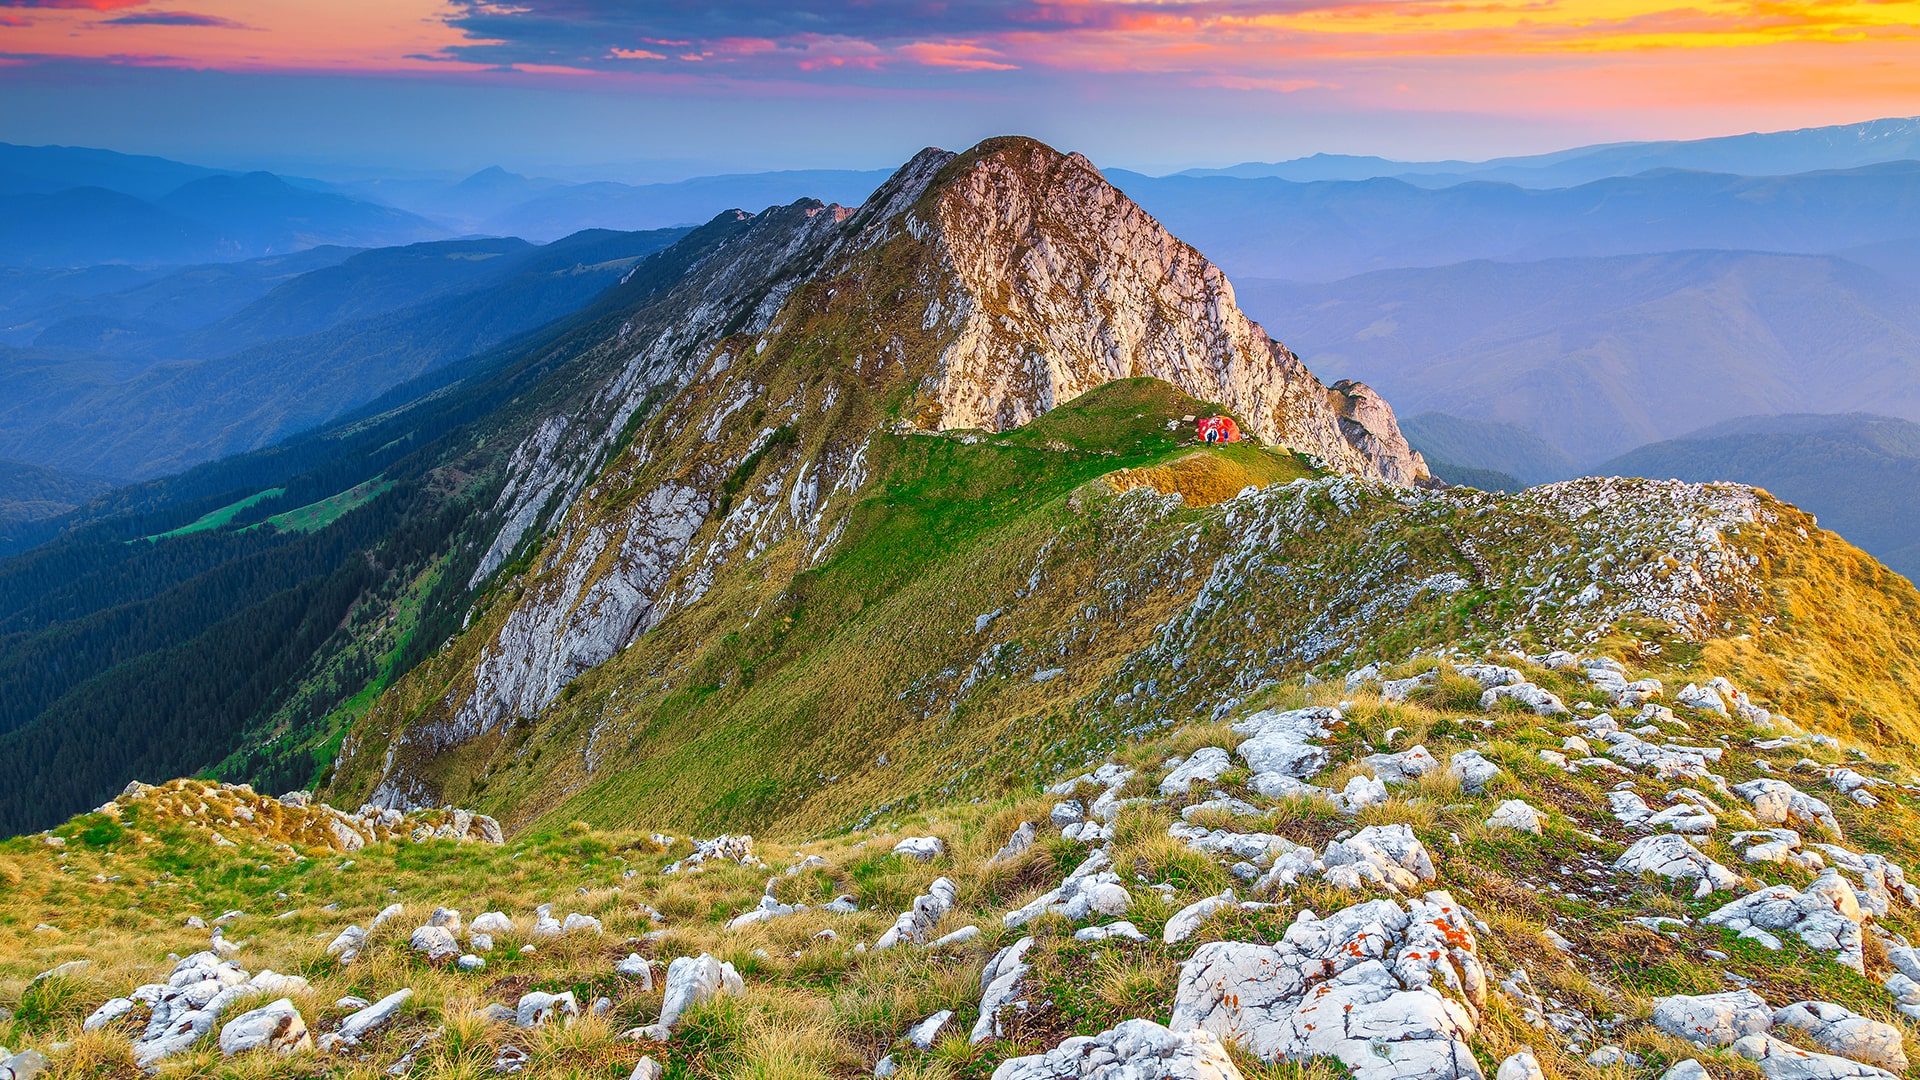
[636, 966]
[368, 1020]
[1543, 702]
[583, 924]
[276, 1027]
[1206, 764]
[536, 1009]
[25, 1065]
[1515, 814]
[1671, 856]
[922, 1035]
[1842, 1031]
[1784, 1061]
[921, 848]
[437, 942]
[1092, 887]
[998, 982]
[1826, 915]
[691, 980]
[1400, 768]
[347, 944]
[1713, 1019]
[1188, 919]
[1391, 992]
[1017, 845]
[915, 926]
[1689, 1069]
[647, 1069]
[1473, 771]
[1135, 1050]
[1389, 856]
[1776, 802]
[492, 922]
[445, 916]
[1520, 1066]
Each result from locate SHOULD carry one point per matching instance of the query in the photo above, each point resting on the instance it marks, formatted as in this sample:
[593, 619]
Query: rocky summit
[863, 667]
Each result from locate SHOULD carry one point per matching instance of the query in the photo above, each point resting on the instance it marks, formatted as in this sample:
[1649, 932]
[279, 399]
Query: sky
[660, 89]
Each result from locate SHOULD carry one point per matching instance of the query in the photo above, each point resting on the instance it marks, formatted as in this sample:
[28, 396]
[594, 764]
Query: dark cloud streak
[174, 18]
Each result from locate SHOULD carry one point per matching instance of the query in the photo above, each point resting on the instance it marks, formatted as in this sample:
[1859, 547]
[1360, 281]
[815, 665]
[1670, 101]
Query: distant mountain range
[112, 393]
[1332, 229]
[61, 206]
[1599, 355]
[1778, 153]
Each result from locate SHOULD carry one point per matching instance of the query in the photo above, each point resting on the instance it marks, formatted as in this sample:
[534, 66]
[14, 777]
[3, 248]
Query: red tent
[1217, 429]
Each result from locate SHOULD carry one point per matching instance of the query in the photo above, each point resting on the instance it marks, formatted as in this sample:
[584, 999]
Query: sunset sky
[661, 89]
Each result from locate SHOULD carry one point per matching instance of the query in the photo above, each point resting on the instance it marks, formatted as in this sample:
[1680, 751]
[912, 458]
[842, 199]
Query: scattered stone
[636, 966]
[1515, 814]
[924, 1034]
[369, 1019]
[348, 944]
[1672, 856]
[1206, 764]
[1541, 701]
[958, 937]
[1389, 856]
[470, 962]
[916, 925]
[1017, 846]
[1520, 1066]
[1188, 919]
[1825, 916]
[1784, 1061]
[998, 981]
[437, 942]
[1391, 992]
[580, 923]
[1776, 802]
[1122, 929]
[1690, 1069]
[1842, 1031]
[921, 848]
[691, 980]
[1713, 1019]
[536, 1009]
[1472, 770]
[492, 922]
[1091, 887]
[647, 1069]
[1407, 765]
[276, 1027]
[1136, 1049]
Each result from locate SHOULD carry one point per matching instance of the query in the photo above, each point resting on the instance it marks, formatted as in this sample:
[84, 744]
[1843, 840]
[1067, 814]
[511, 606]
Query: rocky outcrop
[1062, 283]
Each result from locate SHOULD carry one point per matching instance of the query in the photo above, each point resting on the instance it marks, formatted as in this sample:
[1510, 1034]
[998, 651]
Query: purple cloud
[174, 18]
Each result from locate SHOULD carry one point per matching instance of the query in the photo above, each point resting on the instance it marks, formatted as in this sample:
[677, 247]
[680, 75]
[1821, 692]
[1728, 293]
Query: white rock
[1017, 845]
[470, 962]
[1472, 770]
[1541, 701]
[1206, 764]
[924, 1034]
[1776, 802]
[1520, 1066]
[647, 1069]
[1135, 1050]
[367, 1020]
[636, 966]
[387, 915]
[276, 1027]
[691, 980]
[1122, 929]
[1783, 1061]
[492, 922]
[1390, 992]
[1671, 856]
[437, 942]
[538, 1008]
[1515, 814]
[1188, 919]
[921, 848]
[1688, 1069]
[1842, 1031]
[958, 937]
[998, 981]
[577, 923]
[915, 926]
[1407, 765]
[105, 1014]
[1826, 916]
[1713, 1019]
[1389, 856]
[447, 917]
